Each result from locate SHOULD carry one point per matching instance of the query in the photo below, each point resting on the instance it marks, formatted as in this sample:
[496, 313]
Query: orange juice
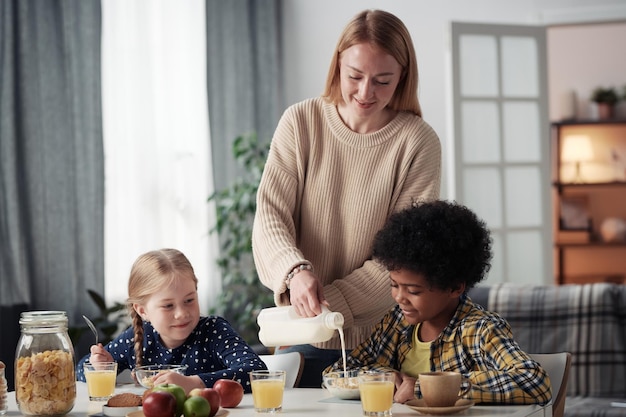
[267, 393]
[376, 396]
[100, 384]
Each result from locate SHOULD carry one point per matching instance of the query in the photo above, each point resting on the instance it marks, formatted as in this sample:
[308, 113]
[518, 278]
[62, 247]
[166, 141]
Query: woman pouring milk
[338, 166]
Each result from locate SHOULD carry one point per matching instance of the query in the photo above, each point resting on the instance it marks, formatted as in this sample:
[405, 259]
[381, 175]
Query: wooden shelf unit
[580, 253]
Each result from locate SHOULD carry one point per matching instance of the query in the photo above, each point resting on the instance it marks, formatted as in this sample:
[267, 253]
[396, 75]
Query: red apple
[177, 391]
[159, 404]
[145, 394]
[211, 395]
[231, 392]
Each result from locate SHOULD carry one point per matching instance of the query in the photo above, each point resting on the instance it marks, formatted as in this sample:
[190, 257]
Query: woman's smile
[365, 104]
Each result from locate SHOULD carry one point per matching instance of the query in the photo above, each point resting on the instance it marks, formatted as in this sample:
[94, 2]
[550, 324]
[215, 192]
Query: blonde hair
[386, 32]
[150, 273]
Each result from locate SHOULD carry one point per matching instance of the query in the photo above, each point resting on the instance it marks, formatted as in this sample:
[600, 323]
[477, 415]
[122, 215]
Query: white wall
[311, 29]
[574, 72]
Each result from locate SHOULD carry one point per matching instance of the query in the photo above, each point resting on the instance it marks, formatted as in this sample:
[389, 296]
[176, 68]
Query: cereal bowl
[343, 386]
[145, 374]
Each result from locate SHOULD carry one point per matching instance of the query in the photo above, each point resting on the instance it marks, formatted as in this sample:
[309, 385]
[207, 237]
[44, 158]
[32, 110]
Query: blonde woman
[338, 166]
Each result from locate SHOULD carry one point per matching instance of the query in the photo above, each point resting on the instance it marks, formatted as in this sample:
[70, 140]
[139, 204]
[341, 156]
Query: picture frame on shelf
[574, 213]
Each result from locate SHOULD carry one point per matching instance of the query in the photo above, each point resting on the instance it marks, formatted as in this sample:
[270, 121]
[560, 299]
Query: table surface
[300, 402]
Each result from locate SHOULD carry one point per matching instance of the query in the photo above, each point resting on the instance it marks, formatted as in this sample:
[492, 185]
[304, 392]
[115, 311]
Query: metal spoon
[92, 327]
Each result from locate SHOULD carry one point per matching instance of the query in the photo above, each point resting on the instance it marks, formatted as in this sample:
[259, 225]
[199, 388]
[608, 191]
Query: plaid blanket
[589, 321]
[594, 407]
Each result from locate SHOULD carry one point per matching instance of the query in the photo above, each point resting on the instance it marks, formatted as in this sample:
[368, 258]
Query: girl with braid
[167, 329]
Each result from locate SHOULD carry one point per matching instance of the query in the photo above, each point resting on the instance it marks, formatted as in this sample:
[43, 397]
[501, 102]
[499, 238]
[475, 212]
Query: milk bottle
[281, 326]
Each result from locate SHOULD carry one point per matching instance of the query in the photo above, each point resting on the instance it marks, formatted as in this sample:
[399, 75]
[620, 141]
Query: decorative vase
[613, 230]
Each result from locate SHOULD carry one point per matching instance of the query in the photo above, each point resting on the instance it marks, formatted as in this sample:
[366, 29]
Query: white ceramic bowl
[118, 411]
[145, 374]
[345, 387]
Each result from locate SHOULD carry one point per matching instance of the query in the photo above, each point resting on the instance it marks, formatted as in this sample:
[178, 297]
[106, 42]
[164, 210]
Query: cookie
[125, 399]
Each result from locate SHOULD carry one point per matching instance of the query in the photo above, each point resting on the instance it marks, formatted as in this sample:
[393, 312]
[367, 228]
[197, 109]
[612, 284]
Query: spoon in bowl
[92, 327]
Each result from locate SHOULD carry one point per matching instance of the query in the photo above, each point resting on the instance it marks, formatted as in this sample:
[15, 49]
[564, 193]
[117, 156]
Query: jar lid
[43, 318]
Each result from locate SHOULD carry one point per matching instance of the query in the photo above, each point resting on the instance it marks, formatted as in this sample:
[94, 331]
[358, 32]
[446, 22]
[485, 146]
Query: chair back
[557, 365]
[291, 362]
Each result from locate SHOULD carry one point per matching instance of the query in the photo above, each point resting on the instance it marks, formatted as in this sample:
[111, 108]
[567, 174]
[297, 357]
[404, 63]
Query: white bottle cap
[334, 320]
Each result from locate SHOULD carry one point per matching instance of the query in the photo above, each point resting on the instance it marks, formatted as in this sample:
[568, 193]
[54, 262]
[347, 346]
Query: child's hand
[187, 382]
[99, 354]
[405, 388]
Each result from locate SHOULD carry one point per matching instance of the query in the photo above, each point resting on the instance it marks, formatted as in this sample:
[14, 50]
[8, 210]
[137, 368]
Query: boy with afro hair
[435, 252]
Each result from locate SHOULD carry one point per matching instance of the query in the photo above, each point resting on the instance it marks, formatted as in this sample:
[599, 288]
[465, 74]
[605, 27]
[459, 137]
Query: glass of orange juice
[376, 388]
[267, 390]
[100, 380]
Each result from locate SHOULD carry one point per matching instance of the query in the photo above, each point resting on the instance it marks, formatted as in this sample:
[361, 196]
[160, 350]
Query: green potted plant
[243, 295]
[605, 98]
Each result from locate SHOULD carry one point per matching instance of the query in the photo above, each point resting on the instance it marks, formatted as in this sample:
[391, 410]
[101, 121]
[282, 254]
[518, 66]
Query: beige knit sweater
[324, 194]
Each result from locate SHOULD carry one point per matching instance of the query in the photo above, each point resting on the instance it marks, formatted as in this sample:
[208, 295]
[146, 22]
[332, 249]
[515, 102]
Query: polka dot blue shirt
[214, 350]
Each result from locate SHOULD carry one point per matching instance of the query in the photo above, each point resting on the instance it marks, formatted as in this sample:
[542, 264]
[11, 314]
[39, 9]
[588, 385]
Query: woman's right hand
[306, 294]
[99, 354]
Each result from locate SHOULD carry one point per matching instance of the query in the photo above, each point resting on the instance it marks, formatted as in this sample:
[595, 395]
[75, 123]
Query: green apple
[196, 406]
[178, 392]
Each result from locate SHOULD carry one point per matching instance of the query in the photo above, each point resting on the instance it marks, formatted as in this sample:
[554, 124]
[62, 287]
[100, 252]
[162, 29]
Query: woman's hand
[405, 388]
[306, 294]
[99, 354]
[187, 382]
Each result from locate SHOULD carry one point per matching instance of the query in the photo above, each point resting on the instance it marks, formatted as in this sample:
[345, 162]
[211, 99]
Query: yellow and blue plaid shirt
[477, 343]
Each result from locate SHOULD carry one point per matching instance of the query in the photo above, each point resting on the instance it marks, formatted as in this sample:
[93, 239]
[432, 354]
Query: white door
[501, 143]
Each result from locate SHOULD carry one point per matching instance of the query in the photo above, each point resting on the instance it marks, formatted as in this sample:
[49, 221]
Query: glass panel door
[502, 143]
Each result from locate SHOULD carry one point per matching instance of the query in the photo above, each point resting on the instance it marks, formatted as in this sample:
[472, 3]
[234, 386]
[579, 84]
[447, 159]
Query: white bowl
[118, 411]
[145, 374]
[345, 387]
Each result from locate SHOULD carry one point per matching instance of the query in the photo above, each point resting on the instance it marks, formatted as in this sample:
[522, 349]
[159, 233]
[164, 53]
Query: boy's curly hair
[443, 241]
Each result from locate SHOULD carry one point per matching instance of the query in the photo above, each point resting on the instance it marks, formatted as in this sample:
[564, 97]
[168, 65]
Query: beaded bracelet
[297, 269]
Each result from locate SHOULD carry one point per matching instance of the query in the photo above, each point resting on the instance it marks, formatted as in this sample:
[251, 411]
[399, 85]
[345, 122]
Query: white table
[300, 402]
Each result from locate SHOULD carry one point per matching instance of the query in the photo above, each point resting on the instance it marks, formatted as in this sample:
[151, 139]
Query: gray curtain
[51, 160]
[244, 67]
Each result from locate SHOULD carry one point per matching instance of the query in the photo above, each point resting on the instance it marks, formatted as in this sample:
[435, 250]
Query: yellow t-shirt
[417, 360]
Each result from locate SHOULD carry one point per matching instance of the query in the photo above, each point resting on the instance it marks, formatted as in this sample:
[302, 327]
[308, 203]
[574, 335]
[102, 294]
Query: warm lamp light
[577, 149]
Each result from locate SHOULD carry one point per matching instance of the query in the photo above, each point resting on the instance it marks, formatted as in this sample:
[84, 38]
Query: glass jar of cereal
[45, 380]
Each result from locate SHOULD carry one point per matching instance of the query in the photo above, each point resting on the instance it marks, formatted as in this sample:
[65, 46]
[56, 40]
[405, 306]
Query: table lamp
[577, 149]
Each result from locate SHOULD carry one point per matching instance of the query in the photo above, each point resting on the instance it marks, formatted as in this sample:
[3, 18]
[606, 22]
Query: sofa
[588, 320]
